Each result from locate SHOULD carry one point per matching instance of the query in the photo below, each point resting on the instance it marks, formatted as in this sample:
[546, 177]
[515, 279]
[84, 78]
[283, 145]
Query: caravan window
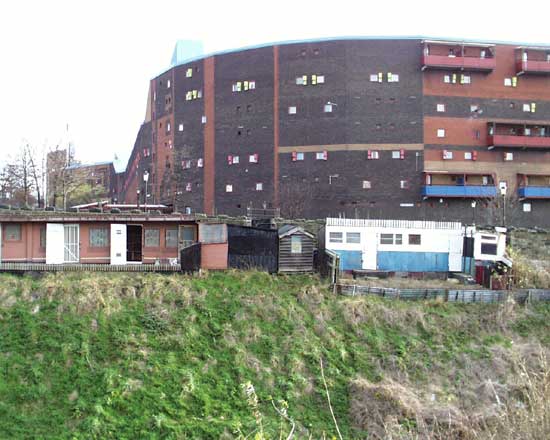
[353, 237]
[386, 238]
[488, 248]
[336, 237]
[414, 239]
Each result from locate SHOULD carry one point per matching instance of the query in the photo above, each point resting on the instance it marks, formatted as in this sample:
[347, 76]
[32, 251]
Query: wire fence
[521, 296]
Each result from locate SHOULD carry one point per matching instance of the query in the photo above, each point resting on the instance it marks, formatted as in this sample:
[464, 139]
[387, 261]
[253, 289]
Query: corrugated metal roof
[381, 223]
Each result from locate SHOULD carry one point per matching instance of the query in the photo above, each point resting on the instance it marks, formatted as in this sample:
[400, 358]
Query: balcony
[476, 64]
[457, 191]
[514, 141]
[534, 192]
[532, 67]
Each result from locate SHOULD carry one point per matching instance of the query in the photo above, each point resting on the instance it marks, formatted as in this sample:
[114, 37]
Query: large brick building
[392, 128]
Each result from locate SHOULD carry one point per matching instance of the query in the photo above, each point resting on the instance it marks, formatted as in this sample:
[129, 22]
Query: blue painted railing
[534, 192]
[458, 191]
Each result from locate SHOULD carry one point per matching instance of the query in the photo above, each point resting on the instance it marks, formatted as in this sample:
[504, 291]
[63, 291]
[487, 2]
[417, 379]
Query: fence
[40, 267]
[447, 295]
[327, 264]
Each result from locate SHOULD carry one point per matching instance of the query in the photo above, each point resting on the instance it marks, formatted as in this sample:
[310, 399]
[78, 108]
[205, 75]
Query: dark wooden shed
[296, 247]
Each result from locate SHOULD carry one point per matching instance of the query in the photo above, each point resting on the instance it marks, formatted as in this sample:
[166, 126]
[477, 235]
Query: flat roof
[421, 38]
[68, 217]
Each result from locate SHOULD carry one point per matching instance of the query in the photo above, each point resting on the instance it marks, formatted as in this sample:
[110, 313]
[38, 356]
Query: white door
[368, 246]
[118, 244]
[72, 244]
[55, 243]
[455, 253]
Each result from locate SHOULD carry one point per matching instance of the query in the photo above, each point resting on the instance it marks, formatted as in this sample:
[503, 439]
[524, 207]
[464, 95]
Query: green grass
[131, 356]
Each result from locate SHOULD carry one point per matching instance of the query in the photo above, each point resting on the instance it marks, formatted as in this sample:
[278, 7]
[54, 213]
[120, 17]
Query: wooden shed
[296, 248]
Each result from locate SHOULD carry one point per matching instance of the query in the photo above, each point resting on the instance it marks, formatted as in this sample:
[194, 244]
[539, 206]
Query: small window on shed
[336, 237]
[43, 237]
[99, 237]
[171, 238]
[353, 237]
[12, 232]
[295, 244]
[152, 237]
[414, 239]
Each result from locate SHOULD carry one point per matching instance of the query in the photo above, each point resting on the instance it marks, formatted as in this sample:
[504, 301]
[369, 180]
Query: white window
[391, 238]
[373, 155]
[474, 108]
[353, 237]
[447, 155]
[366, 184]
[228, 188]
[295, 244]
[396, 154]
[301, 80]
[508, 156]
[189, 72]
[252, 85]
[320, 79]
[374, 77]
[253, 158]
[336, 237]
[188, 187]
[526, 108]
[404, 184]
[299, 156]
[180, 127]
[200, 162]
[508, 82]
[292, 110]
[392, 77]
[235, 159]
[447, 79]
[203, 119]
[168, 126]
[199, 94]
[321, 155]
[485, 180]
[328, 108]
[533, 107]
[168, 84]
[527, 132]
[440, 107]
[467, 155]
[465, 79]
[527, 207]
[259, 186]
[440, 132]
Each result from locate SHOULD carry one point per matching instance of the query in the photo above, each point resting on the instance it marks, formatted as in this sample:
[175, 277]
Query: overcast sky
[88, 63]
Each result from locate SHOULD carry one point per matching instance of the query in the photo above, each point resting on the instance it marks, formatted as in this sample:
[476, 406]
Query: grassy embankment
[131, 356]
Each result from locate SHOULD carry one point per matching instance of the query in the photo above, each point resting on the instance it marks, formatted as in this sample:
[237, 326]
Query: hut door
[134, 243]
[55, 243]
[71, 244]
[187, 236]
[368, 250]
[118, 244]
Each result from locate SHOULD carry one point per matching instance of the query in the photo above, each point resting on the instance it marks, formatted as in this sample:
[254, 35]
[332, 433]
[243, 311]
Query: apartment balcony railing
[534, 192]
[499, 140]
[533, 67]
[458, 63]
[457, 191]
